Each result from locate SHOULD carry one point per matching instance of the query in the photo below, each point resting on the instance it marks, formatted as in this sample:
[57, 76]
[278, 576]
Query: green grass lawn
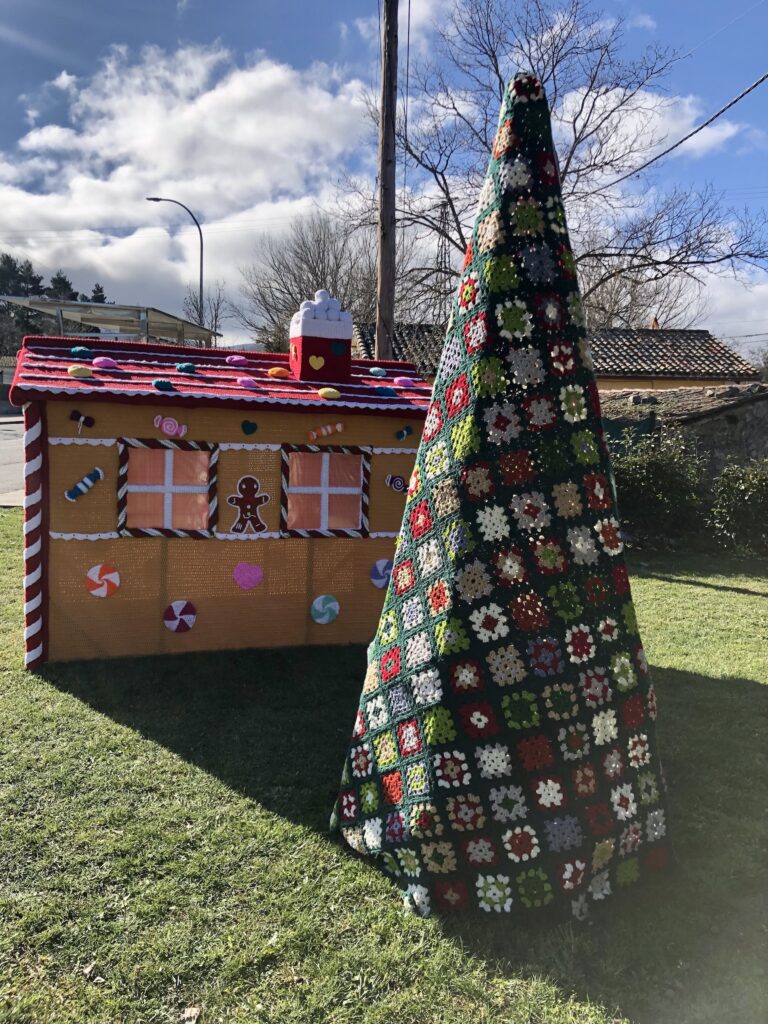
[163, 843]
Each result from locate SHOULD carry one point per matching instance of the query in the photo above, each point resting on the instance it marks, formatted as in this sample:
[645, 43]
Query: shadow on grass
[689, 582]
[274, 726]
[689, 566]
[271, 724]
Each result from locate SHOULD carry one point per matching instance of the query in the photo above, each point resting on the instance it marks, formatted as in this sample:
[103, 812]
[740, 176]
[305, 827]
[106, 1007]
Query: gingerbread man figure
[248, 501]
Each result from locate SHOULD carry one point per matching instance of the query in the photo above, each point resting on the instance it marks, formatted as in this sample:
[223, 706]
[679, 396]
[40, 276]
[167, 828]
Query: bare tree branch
[605, 110]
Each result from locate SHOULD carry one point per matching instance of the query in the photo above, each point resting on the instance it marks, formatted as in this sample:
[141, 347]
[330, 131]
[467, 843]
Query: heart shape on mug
[247, 576]
[317, 362]
[249, 427]
[338, 348]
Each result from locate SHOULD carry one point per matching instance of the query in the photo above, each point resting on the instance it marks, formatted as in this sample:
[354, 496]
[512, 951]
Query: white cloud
[642, 21]
[368, 30]
[654, 121]
[246, 146]
[64, 81]
[737, 308]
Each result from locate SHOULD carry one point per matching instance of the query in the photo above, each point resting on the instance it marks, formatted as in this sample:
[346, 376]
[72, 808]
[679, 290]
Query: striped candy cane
[34, 645]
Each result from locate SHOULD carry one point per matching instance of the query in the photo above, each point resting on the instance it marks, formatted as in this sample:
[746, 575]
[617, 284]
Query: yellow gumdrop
[328, 393]
[79, 371]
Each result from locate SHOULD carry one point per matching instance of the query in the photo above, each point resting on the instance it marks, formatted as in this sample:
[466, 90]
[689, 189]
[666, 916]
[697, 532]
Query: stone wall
[733, 435]
[729, 424]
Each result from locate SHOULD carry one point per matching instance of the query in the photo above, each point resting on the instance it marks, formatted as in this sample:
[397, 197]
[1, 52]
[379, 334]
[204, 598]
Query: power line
[685, 138]
[728, 24]
[42, 234]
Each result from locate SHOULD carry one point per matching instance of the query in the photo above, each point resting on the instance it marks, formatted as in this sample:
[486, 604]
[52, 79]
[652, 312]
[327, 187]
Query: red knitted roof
[41, 372]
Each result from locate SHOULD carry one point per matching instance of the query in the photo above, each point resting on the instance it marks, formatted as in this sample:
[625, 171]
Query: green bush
[738, 516]
[660, 484]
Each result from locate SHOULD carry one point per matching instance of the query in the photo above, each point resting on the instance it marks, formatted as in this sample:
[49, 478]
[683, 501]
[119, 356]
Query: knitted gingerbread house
[181, 499]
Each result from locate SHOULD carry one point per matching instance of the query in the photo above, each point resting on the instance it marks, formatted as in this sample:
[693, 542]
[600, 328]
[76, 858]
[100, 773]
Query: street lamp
[161, 199]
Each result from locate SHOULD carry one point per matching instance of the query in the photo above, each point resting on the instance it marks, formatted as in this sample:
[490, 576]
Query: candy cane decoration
[85, 484]
[34, 646]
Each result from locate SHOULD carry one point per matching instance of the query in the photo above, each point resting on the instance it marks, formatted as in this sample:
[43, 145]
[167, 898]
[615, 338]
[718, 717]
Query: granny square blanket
[503, 757]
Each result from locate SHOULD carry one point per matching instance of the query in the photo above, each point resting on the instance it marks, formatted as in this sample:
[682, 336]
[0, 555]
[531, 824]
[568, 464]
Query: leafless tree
[758, 356]
[317, 251]
[636, 297]
[216, 307]
[604, 108]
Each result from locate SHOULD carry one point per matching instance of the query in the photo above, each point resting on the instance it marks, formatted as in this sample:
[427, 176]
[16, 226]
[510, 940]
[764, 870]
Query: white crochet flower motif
[489, 622]
[494, 761]
[531, 511]
[604, 727]
[493, 523]
[582, 545]
[623, 802]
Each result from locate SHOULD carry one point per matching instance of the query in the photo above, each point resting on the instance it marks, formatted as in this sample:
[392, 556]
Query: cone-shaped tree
[503, 755]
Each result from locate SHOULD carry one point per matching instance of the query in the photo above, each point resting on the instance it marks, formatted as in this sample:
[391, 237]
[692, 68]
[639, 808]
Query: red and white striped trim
[34, 583]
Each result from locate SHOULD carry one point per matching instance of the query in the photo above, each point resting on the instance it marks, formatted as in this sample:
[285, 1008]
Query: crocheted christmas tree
[503, 755]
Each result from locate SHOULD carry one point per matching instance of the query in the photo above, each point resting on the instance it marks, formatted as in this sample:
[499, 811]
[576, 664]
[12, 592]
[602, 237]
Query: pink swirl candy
[169, 426]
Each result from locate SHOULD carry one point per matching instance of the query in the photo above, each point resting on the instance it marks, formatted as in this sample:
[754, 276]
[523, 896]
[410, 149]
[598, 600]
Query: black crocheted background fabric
[503, 756]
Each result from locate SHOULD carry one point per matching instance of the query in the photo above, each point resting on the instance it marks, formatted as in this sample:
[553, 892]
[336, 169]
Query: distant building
[625, 358]
[729, 424]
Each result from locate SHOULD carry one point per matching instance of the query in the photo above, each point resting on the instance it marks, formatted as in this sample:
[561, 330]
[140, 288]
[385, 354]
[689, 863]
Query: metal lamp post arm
[162, 199]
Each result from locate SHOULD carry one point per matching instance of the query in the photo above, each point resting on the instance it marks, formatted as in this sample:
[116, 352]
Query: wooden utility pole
[385, 284]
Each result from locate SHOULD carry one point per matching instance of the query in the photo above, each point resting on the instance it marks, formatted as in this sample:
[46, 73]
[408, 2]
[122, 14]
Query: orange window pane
[144, 511]
[344, 511]
[145, 466]
[304, 469]
[303, 511]
[345, 471]
[190, 511]
[190, 468]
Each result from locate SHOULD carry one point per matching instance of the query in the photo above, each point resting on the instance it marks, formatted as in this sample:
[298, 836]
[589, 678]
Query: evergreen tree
[61, 287]
[17, 278]
[97, 294]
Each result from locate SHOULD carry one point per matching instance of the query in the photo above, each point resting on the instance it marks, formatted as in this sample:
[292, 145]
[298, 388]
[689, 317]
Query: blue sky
[246, 108]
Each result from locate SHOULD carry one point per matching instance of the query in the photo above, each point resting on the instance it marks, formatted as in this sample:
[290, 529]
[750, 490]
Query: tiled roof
[617, 352]
[41, 372]
[681, 405]
[423, 344]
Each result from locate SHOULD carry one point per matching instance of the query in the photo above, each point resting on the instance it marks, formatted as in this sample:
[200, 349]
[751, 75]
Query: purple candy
[404, 382]
[248, 382]
[236, 361]
[105, 363]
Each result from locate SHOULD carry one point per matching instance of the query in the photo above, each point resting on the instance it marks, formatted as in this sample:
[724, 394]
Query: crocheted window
[168, 490]
[325, 493]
